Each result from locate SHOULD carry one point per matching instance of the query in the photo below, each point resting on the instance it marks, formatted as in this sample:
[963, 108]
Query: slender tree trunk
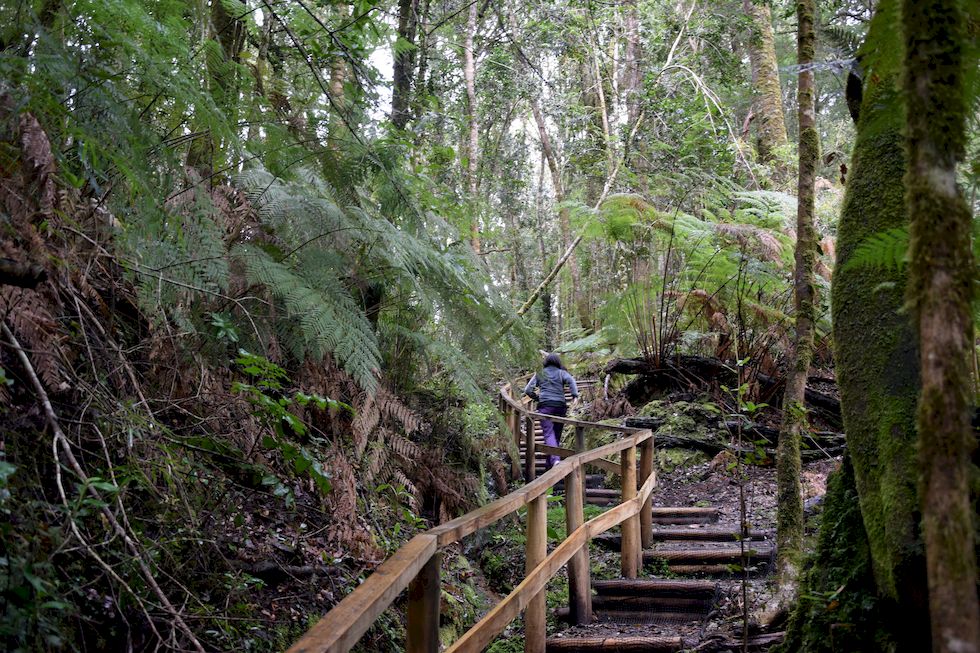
[771, 126]
[941, 278]
[404, 63]
[789, 522]
[473, 125]
[338, 77]
[564, 218]
[630, 83]
[422, 57]
[547, 308]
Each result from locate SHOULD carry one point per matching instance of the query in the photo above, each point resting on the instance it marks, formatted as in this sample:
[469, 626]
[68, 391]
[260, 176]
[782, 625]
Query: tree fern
[319, 320]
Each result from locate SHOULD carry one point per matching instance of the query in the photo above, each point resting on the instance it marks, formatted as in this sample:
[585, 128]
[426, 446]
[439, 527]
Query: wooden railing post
[579, 582]
[630, 541]
[423, 609]
[511, 415]
[536, 549]
[579, 448]
[529, 470]
[646, 512]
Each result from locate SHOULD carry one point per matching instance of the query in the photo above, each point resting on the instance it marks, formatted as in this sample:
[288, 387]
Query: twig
[60, 440]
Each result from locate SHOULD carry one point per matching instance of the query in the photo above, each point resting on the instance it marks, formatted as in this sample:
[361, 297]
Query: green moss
[838, 608]
[875, 345]
[671, 459]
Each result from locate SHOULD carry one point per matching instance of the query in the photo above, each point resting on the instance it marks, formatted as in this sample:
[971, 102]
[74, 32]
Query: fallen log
[696, 370]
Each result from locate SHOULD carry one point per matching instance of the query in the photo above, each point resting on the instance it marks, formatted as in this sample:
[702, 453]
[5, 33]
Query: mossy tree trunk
[771, 126]
[940, 292]
[789, 522]
[875, 345]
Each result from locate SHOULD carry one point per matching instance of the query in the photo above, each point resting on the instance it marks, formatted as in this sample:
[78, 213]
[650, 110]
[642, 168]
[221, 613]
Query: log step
[678, 536]
[655, 586]
[704, 534]
[605, 492]
[619, 644]
[637, 616]
[670, 604]
[714, 556]
[684, 515]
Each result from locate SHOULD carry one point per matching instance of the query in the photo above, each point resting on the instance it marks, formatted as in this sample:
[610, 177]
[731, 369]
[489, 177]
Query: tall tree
[768, 108]
[789, 522]
[876, 350]
[404, 62]
[941, 277]
[472, 123]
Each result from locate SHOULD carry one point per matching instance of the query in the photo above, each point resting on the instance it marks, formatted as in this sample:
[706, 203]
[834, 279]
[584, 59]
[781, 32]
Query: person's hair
[553, 360]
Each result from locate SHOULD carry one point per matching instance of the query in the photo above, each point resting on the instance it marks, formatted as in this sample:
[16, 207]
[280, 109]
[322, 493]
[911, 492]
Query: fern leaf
[884, 250]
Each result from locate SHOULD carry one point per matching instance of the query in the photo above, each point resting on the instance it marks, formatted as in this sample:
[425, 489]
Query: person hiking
[551, 382]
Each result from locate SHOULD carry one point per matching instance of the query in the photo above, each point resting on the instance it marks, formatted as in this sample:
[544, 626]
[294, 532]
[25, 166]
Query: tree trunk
[423, 62]
[875, 345]
[789, 522]
[940, 292]
[228, 30]
[630, 83]
[564, 218]
[404, 63]
[473, 125]
[771, 126]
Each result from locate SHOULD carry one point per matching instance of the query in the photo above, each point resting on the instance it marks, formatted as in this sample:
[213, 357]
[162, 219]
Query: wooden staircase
[696, 551]
[644, 531]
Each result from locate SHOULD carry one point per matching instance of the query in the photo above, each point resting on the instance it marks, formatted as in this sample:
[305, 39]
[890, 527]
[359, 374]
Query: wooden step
[704, 534]
[672, 604]
[655, 586]
[604, 492]
[708, 556]
[620, 644]
[637, 616]
[684, 515]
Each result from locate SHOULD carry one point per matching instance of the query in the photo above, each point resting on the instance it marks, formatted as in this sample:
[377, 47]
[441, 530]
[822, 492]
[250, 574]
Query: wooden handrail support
[340, 629]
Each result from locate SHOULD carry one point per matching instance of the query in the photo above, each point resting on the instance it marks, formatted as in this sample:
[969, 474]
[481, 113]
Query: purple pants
[552, 430]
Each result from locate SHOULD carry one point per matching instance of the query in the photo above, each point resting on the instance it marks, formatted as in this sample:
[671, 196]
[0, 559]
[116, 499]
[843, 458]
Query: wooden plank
[579, 585]
[630, 549]
[423, 609]
[340, 628]
[535, 551]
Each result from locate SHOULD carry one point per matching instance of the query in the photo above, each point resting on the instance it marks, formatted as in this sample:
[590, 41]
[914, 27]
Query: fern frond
[886, 249]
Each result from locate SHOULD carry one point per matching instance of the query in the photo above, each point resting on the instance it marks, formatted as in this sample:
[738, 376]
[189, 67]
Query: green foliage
[271, 406]
[886, 249]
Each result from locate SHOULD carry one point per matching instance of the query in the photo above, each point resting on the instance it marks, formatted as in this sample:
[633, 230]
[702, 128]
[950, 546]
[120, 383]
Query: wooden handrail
[343, 626]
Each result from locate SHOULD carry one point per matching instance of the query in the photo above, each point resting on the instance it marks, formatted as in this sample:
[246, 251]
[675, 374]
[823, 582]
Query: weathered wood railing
[416, 565]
